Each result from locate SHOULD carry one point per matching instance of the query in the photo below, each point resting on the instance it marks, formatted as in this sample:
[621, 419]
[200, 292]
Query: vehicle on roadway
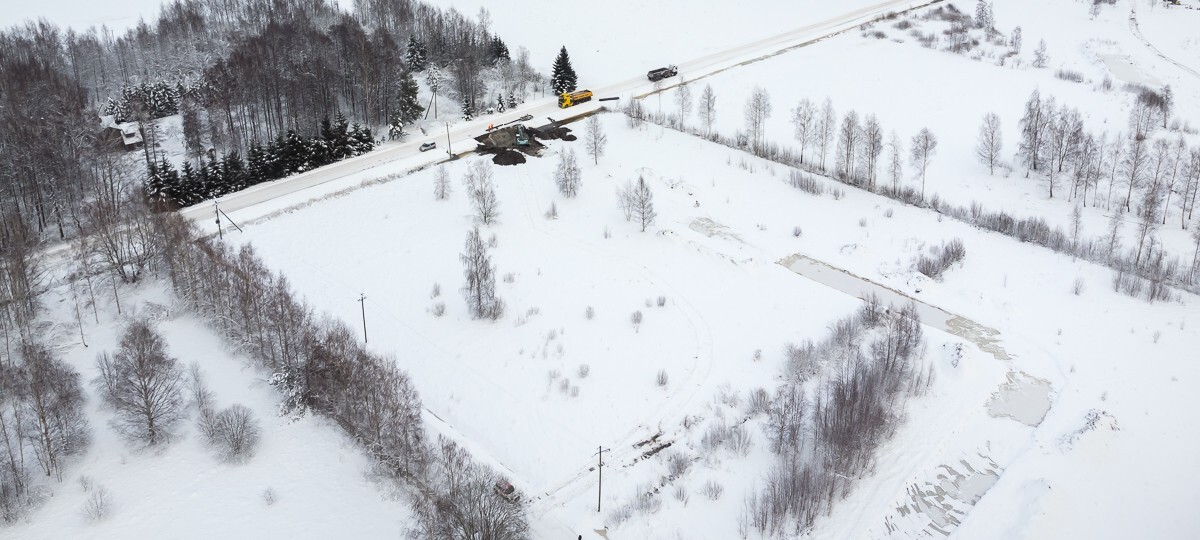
[574, 98]
[661, 73]
[429, 146]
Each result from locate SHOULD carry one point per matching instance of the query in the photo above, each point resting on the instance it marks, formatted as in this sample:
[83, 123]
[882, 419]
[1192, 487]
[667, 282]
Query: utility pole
[449, 152]
[362, 302]
[217, 210]
[600, 468]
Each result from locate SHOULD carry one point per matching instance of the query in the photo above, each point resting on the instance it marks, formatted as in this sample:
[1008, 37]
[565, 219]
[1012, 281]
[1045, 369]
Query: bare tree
[987, 149]
[441, 183]
[826, 124]
[895, 161]
[757, 110]
[708, 109]
[1040, 58]
[804, 120]
[924, 146]
[1034, 125]
[237, 433]
[483, 194]
[637, 202]
[54, 419]
[847, 144]
[683, 102]
[464, 502]
[596, 139]
[870, 149]
[143, 384]
[567, 175]
[480, 274]
[1115, 221]
[1188, 196]
[1178, 161]
[1133, 167]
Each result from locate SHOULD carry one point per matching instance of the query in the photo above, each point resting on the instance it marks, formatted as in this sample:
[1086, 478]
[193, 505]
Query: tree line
[241, 73]
[841, 398]
[321, 368]
[1055, 135]
[288, 154]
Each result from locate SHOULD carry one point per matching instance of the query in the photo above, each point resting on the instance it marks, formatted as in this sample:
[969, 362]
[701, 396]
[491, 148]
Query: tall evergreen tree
[468, 109]
[409, 103]
[234, 172]
[499, 51]
[563, 78]
[416, 55]
[256, 165]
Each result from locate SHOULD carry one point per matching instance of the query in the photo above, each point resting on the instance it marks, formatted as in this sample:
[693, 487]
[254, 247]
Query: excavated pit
[502, 142]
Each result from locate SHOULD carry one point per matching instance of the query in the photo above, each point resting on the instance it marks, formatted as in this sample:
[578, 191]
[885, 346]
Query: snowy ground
[981, 456]
[950, 93]
[318, 479]
[400, 242]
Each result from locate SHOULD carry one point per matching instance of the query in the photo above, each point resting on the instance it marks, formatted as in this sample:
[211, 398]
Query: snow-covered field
[306, 480]
[727, 297]
[1066, 414]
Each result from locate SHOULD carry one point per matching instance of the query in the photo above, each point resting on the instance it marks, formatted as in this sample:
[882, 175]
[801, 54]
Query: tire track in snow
[1137, 32]
[624, 452]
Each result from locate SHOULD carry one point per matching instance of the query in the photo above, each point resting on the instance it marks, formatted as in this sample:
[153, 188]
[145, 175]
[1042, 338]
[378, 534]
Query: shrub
[941, 259]
[98, 504]
[661, 378]
[237, 433]
[712, 490]
[584, 371]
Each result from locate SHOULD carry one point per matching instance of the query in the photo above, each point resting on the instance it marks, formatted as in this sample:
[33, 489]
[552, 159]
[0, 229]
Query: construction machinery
[569, 99]
[522, 138]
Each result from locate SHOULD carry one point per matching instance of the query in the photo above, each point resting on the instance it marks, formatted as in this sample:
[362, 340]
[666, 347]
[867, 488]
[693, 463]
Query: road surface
[460, 137]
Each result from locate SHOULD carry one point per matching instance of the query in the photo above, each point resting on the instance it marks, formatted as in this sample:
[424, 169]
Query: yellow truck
[574, 98]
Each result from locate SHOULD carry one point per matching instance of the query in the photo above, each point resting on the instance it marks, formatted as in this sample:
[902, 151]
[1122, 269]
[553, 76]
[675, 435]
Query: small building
[126, 135]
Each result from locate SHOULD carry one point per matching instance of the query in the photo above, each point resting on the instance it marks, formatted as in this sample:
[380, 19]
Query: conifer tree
[468, 110]
[409, 103]
[563, 78]
[416, 55]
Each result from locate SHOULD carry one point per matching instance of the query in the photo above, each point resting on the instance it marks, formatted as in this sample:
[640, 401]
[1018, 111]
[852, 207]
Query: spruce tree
[468, 109]
[512, 101]
[187, 185]
[343, 145]
[416, 56]
[324, 147]
[235, 173]
[169, 193]
[256, 165]
[563, 78]
[499, 51]
[409, 102]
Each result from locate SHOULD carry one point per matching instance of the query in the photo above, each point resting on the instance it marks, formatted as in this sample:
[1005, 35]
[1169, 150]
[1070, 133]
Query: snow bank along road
[461, 135]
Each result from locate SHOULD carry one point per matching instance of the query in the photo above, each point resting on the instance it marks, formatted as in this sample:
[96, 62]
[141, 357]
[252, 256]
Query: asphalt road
[461, 135]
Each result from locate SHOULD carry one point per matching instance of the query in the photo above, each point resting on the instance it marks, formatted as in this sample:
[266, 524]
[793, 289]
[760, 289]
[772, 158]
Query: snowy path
[1137, 32]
